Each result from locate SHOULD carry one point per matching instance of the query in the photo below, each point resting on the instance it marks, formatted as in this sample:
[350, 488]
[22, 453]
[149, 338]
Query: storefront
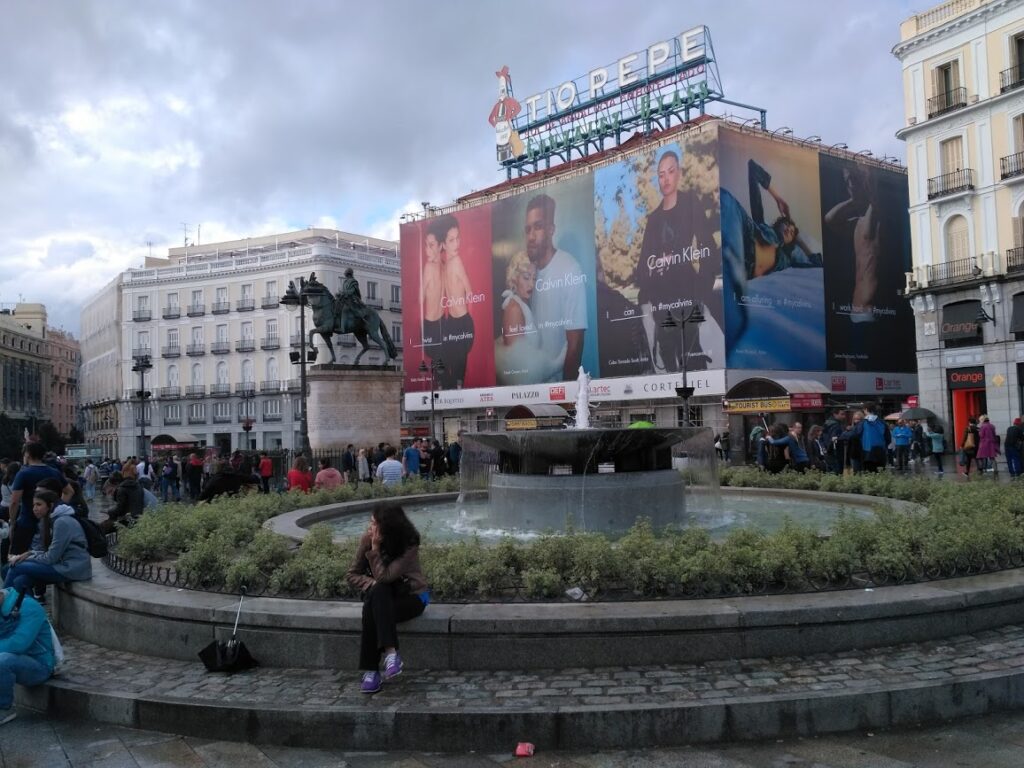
[966, 397]
[760, 402]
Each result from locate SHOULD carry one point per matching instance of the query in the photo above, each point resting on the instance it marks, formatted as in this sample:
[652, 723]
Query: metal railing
[219, 418]
[270, 386]
[171, 313]
[245, 345]
[270, 302]
[195, 310]
[245, 388]
[394, 306]
[1015, 260]
[140, 315]
[195, 390]
[220, 347]
[195, 350]
[220, 390]
[245, 305]
[955, 271]
[1011, 78]
[196, 419]
[940, 104]
[220, 307]
[272, 417]
[951, 183]
[375, 303]
[270, 342]
[172, 421]
[1011, 165]
[294, 385]
[296, 340]
[169, 392]
[172, 350]
[142, 352]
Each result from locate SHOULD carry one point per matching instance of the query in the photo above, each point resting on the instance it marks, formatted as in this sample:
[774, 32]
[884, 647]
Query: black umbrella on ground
[229, 655]
[918, 414]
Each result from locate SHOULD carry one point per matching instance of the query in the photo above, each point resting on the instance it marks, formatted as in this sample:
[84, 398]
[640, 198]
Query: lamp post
[436, 367]
[692, 315]
[142, 364]
[296, 298]
[247, 394]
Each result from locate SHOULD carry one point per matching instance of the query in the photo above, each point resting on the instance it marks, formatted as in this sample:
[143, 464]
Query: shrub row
[960, 529]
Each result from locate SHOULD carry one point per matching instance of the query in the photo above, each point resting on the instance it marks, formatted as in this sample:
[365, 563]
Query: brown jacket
[368, 568]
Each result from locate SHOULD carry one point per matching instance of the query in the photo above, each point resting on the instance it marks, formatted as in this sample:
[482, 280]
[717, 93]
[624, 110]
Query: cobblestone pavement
[98, 669]
[996, 741]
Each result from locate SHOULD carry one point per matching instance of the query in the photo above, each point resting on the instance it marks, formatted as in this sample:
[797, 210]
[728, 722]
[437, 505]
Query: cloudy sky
[120, 120]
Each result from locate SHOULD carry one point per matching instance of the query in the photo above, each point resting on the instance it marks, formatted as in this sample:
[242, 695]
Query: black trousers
[382, 610]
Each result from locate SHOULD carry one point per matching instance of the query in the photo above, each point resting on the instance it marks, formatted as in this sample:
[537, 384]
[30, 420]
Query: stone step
[567, 709]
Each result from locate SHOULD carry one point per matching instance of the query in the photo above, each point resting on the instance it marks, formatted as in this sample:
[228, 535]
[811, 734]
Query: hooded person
[1012, 444]
[26, 648]
[64, 553]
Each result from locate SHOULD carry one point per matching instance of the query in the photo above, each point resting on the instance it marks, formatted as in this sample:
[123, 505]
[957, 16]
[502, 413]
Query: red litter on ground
[524, 749]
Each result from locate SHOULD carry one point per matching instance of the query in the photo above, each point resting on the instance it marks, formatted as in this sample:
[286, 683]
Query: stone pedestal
[349, 404]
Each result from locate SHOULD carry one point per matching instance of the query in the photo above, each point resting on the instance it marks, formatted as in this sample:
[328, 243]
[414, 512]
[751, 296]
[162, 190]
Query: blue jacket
[29, 633]
[796, 452]
[902, 435]
[69, 550]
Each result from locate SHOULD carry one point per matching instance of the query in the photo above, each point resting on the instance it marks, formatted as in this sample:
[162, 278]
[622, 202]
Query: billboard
[794, 257]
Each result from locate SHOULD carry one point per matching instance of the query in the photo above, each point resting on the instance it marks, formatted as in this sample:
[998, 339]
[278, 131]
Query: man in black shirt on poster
[675, 268]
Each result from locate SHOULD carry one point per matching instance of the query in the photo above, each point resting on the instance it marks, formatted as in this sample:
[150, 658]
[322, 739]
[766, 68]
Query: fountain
[593, 479]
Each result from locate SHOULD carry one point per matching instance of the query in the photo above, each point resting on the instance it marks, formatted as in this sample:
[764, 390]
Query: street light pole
[694, 315]
[142, 365]
[296, 298]
[436, 367]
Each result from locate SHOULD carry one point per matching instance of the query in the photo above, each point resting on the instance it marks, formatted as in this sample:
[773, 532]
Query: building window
[247, 372]
[222, 373]
[272, 328]
[172, 299]
[222, 410]
[172, 337]
[172, 376]
[197, 297]
[197, 411]
[197, 375]
[396, 333]
[247, 330]
[142, 303]
[371, 289]
[951, 152]
[222, 295]
[272, 369]
[272, 407]
[222, 332]
[957, 239]
[947, 78]
[197, 334]
[396, 294]
[172, 412]
[271, 288]
[247, 291]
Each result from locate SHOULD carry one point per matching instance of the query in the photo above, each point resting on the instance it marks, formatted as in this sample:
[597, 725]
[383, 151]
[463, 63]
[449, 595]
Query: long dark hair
[396, 530]
[51, 500]
[12, 470]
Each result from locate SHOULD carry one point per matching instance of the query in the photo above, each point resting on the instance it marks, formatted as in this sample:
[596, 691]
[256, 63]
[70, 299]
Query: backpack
[775, 458]
[95, 541]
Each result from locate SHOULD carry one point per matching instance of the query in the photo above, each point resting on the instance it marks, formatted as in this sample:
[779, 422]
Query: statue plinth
[360, 405]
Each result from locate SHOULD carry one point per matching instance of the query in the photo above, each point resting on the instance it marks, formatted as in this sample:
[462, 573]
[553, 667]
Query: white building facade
[210, 322]
[963, 78]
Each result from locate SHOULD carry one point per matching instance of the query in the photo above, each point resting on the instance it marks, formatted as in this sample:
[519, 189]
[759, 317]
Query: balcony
[1011, 165]
[220, 347]
[1015, 260]
[294, 385]
[220, 390]
[169, 392]
[245, 305]
[171, 313]
[246, 388]
[394, 306]
[141, 315]
[242, 418]
[195, 390]
[194, 418]
[196, 310]
[951, 183]
[245, 345]
[220, 418]
[148, 422]
[270, 342]
[270, 302]
[272, 417]
[296, 340]
[1011, 78]
[138, 352]
[172, 421]
[220, 307]
[947, 102]
[374, 302]
[172, 350]
[956, 271]
[270, 386]
[195, 350]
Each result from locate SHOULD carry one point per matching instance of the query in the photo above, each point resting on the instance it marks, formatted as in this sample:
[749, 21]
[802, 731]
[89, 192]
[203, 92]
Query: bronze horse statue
[329, 318]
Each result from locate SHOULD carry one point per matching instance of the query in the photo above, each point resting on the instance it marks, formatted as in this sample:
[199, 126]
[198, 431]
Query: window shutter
[1018, 231]
[954, 75]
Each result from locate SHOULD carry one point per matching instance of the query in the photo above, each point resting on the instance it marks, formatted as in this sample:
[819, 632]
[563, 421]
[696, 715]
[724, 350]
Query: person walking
[390, 470]
[988, 445]
[938, 445]
[902, 435]
[90, 475]
[1012, 445]
[386, 569]
[266, 470]
[363, 467]
[969, 446]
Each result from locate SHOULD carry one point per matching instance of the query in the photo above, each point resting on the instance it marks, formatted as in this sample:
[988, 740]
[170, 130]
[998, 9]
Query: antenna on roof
[185, 231]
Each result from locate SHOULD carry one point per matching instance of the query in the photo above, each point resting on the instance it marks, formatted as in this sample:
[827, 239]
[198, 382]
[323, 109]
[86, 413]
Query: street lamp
[694, 315]
[296, 298]
[247, 393]
[142, 364]
[436, 367]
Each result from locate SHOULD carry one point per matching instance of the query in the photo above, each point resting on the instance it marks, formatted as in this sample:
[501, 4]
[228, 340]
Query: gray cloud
[121, 119]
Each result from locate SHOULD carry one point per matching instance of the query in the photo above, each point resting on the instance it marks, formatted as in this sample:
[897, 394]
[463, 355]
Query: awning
[174, 439]
[760, 394]
[760, 386]
[536, 411]
[960, 320]
[1017, 321]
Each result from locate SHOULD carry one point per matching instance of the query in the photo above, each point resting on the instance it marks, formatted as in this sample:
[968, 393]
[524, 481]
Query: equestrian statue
[346, 313]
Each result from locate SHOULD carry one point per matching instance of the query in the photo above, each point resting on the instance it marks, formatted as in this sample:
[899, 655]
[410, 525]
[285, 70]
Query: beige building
[209, 320]
[963, 81]
[65, 361]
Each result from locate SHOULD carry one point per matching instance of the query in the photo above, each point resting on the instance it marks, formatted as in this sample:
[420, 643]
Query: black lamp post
[247, 394]
[142, 364]
[296, 298]
[436, 367]
[692, 315]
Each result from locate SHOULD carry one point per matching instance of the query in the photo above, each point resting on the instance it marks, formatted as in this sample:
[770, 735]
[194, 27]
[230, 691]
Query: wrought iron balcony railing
[951, 183]
[942, 103]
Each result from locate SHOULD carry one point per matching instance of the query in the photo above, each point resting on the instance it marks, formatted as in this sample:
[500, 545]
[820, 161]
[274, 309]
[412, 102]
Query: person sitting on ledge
[64, 555]
[26, 648]
[386, 569]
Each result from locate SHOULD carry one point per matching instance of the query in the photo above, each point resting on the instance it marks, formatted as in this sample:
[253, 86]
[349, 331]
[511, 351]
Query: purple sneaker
[392, 665]
[371, 682]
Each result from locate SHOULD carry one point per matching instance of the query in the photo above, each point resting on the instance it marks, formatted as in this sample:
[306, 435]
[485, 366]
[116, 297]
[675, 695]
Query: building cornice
[990, 8]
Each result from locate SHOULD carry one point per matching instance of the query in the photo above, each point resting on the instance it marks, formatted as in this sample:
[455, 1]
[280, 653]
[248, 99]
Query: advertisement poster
[771, 254]
[867, 251]
[544, 311]
[657, 238]
[446, 265]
